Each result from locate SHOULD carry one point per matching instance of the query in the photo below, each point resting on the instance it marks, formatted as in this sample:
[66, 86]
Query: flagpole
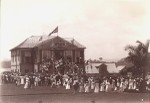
[57, 31]
[73, 50]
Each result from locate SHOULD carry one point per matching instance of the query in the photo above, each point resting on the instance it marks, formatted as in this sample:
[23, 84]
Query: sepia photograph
[75, 51]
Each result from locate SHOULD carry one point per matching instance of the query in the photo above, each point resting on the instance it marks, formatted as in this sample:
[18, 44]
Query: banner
[58, 63]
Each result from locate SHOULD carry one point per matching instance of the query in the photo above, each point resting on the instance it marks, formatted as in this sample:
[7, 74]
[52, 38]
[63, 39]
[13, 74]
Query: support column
[73, 55]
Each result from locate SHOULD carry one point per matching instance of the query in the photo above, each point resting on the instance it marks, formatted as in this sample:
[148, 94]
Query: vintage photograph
[75, 51]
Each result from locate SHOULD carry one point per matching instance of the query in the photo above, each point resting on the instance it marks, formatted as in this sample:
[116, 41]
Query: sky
[105, 27]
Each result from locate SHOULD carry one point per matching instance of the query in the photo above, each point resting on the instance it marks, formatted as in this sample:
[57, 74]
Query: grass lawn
[10, 93]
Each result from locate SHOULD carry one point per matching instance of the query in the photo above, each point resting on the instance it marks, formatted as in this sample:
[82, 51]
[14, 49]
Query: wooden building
[28, 56]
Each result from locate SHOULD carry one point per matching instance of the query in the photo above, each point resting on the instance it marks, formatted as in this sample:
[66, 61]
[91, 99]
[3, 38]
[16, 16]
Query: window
[27, 57]
[12, 58]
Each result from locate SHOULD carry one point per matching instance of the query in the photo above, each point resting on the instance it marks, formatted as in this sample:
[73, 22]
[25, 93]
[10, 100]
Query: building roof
[35, 41]
[28, 43]
[111, 67]
[74, 42]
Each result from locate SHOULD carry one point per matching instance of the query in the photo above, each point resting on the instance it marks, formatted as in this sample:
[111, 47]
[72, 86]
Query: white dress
[102, 88]
[27, 83]
[92, 85]
[96, 90]
[87, 87]
[68, 85]
[36, 81]
[22, 80]
[107, 86]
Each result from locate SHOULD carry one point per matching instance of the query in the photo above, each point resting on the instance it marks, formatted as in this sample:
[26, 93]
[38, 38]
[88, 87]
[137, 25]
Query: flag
[54, 31]
[40, 38]
[58, 63]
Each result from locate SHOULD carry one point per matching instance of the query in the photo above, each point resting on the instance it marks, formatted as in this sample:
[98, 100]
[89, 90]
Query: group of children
[82, 83]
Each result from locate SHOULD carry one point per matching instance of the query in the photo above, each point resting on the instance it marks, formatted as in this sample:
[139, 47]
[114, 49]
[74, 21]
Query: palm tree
[138, 55]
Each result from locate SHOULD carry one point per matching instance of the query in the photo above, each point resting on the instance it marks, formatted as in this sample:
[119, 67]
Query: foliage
[138, 55]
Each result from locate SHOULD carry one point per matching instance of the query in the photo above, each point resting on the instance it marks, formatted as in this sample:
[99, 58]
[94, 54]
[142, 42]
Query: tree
[138, 55]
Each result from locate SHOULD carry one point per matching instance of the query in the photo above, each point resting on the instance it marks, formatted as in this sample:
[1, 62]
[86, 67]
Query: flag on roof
[54, 31]
[41, 38]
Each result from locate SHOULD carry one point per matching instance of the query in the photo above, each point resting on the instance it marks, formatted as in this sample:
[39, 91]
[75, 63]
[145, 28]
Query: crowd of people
[79, 83]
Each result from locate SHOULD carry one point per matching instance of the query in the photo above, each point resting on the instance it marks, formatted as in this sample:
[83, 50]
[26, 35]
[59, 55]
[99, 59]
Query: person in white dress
[134, 84]
[122, 86]
[53, 80]
[87, 86]
[68, 84]
[22, 80]
[27, 83]
[131, 84]
[92, 85]
[102, 87]
[96, 90]
[81, 86]
[36, 81]
[107, 85]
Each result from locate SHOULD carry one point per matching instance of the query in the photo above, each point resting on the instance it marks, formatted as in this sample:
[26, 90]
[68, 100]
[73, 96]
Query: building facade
[30, 54]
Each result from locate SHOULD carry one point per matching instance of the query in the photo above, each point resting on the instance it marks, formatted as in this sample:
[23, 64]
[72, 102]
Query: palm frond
[138, 55]
[130, 48]
[147, 45]
[139, 42]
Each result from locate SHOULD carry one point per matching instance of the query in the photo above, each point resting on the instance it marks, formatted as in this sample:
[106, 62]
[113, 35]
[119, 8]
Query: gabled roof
[28, 43]
[111, 67]
[44, 39]
[35, 41]
[74, 42]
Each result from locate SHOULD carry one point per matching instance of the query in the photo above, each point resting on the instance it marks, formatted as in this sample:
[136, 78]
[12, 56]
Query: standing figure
[46, 80]
[81, 85]
[92, 84]
[102, 86]
[31, 81]
[148, 84]
[22, 80]
[122, 85]
[75, 86]
[53, 80]
[107, 85]
[18, 81]
[27, 83]
[58, 83]
[126, 83]
[134, 84]
[131, 82]
[96, 90]
[118, 84]
[87, 86]
[113, 85]
[68, 84]
[36, 80]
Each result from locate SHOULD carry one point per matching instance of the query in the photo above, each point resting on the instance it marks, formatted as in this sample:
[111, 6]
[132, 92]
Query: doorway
[59, 54]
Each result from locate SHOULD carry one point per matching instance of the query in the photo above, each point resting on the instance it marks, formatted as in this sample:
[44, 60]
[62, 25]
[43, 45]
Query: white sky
[105, 27]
